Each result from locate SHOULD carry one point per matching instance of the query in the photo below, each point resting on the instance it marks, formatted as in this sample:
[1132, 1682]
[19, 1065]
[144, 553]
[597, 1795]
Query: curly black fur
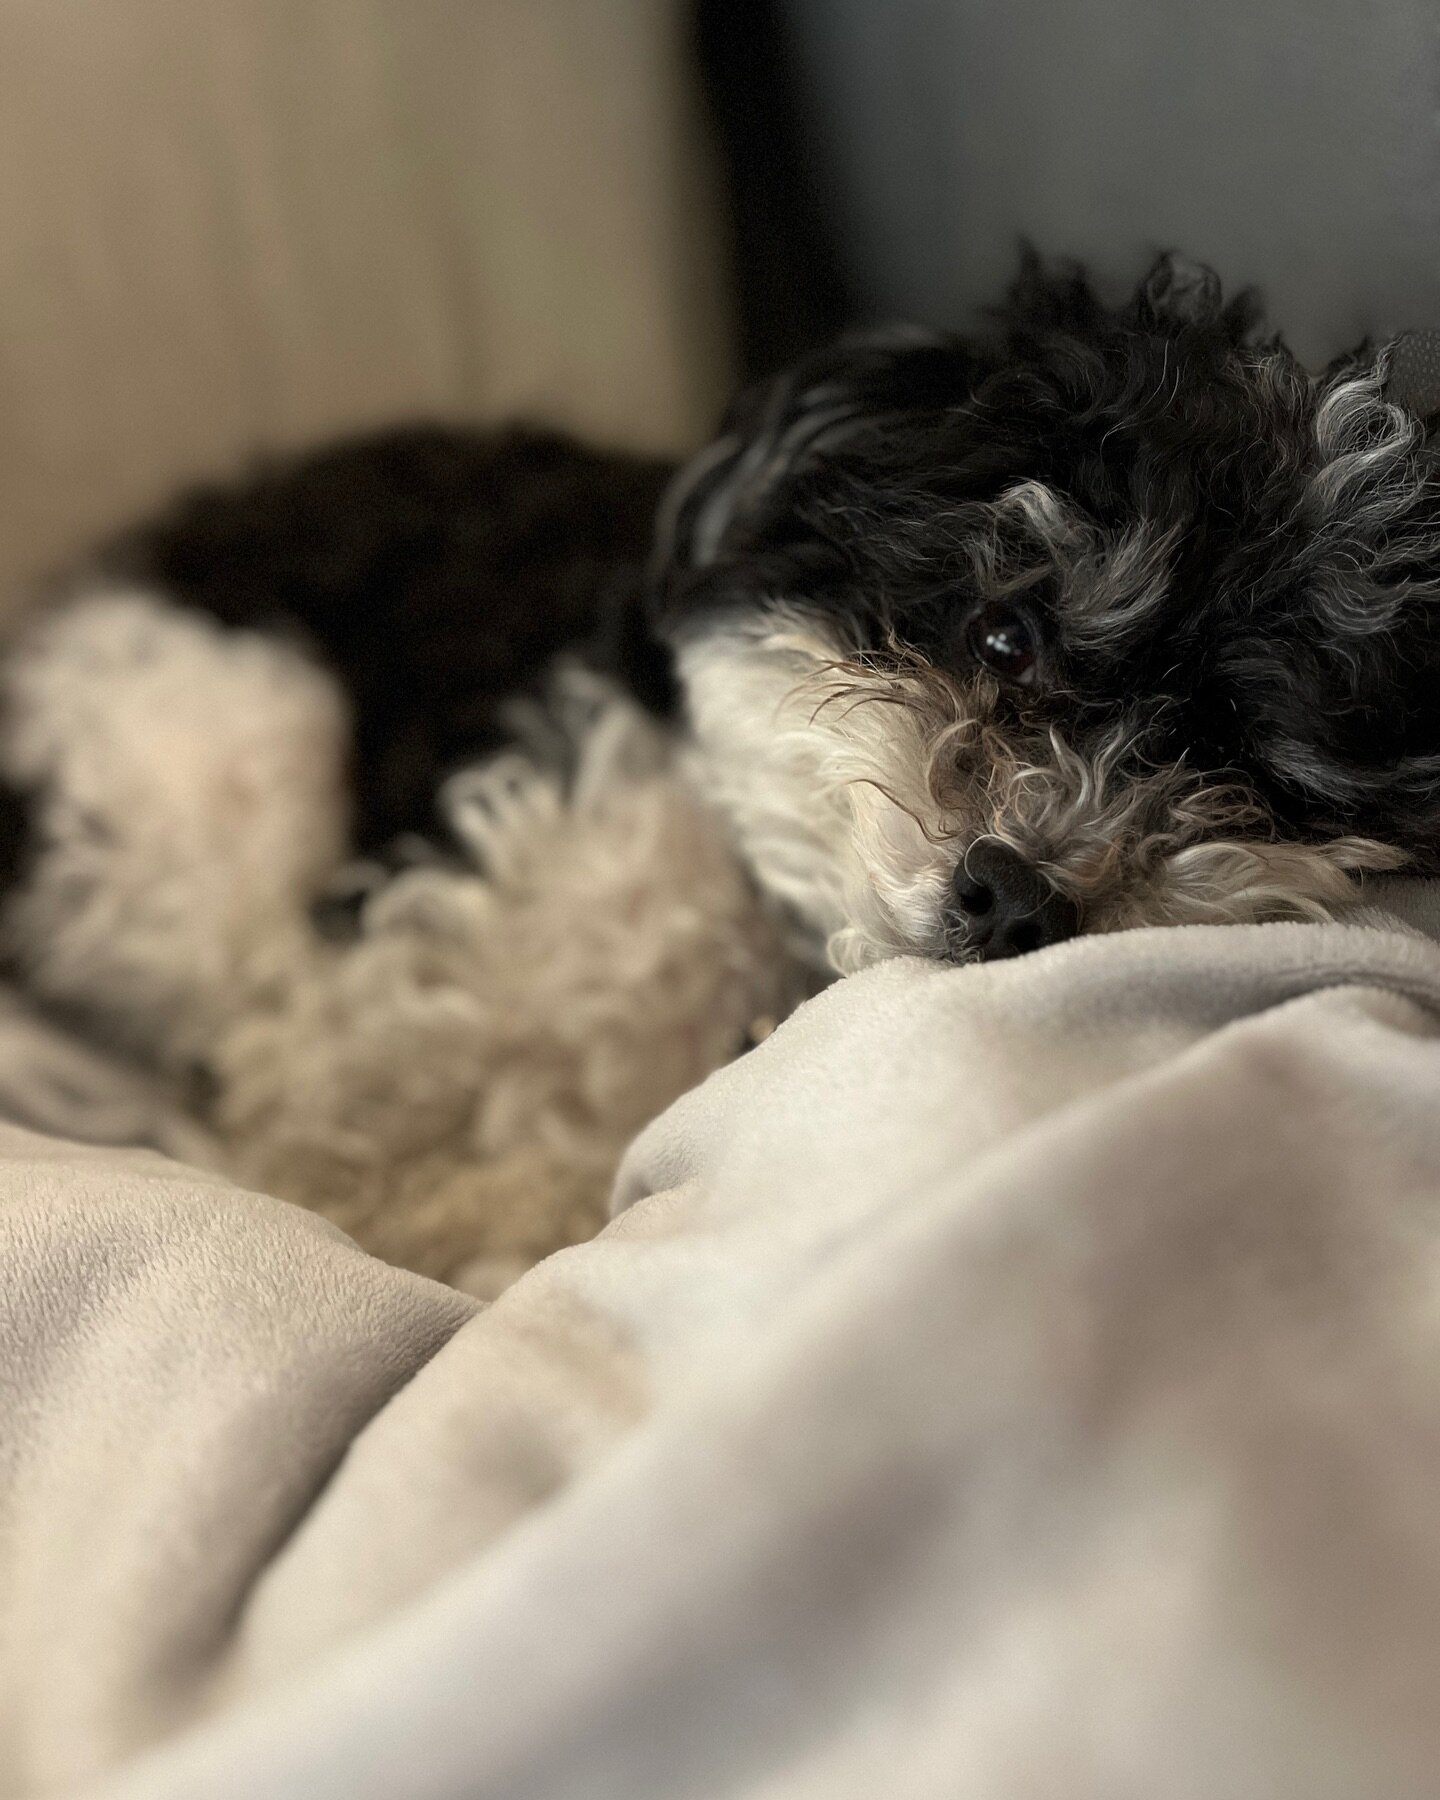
[437, 572]
[1280, 620]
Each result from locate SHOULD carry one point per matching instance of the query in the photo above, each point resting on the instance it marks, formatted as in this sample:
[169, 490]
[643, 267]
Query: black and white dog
[1109, 617]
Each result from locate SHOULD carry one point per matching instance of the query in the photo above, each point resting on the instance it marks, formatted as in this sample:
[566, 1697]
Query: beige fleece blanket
[1007, 1382]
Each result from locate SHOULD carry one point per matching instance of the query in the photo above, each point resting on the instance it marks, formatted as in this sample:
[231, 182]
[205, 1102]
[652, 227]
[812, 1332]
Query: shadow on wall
[793, 288]
[1292, 143]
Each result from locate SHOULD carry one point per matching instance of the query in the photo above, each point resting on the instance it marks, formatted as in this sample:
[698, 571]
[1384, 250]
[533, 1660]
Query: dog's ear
[722, 501]
[722, 488]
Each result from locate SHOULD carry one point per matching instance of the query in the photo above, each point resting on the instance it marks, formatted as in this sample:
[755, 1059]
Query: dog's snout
[1006, 907]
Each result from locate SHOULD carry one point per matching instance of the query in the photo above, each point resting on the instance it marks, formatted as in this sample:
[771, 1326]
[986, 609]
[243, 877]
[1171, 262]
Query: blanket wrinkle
[1002, 1383]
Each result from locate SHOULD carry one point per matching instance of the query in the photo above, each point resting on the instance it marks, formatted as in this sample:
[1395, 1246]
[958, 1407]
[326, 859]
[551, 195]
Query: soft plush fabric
[1011, 1381]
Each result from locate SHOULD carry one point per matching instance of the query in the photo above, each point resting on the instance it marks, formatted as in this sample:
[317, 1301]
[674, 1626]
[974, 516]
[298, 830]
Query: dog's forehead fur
[1233, 562]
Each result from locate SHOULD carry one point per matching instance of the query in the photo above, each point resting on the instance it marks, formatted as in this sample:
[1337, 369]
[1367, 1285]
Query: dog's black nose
[1005, 907]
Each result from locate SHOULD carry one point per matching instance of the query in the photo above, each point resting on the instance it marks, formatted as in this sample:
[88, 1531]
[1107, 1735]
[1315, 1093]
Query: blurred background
[230, 227]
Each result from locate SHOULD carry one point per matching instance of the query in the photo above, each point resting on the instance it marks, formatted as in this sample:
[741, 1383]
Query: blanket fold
[1011, 1381]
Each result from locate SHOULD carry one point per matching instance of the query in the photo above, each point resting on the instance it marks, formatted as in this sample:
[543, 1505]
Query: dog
[1121, 618]
[1102, 616]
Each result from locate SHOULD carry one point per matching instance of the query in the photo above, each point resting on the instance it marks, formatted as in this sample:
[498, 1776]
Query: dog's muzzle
[1001, 906]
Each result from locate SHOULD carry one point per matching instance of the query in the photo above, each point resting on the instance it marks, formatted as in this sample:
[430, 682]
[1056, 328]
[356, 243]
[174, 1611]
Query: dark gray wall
[1290, 143]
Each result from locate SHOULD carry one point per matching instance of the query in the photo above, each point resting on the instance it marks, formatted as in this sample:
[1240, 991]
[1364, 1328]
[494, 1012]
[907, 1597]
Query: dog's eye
[1004, 640]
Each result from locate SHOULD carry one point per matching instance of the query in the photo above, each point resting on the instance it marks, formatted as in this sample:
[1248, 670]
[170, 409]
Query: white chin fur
[810, 792]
